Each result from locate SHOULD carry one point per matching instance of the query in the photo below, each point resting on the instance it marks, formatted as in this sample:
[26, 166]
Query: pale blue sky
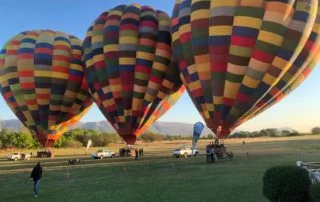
[300, 110]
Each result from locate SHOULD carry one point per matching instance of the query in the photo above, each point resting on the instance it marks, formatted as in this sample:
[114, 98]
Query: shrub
[315, 130]
[60, 142]
[314, 191]
[286, 184]
[72, 144]
[151, 137]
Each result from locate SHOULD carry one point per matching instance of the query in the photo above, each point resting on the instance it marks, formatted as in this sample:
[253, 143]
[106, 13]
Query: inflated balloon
[41, 79]
[127, 54]
[263, 105]
[161, 109]
[237, 57]
[197, 130]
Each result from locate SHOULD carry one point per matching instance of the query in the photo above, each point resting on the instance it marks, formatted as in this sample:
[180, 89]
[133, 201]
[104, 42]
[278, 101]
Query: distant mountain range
[164, 128]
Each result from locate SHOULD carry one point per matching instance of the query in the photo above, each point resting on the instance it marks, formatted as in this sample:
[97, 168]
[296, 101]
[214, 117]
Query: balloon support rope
[126, 171]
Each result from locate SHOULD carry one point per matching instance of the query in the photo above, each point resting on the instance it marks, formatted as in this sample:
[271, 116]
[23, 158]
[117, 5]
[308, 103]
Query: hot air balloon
[41, 79]
[197, 130]
[237, 58]
[128, 67]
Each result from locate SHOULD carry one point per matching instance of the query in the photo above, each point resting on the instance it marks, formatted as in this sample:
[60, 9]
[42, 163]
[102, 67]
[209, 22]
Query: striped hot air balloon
[238, 57]
[41, 79]
[127, 56]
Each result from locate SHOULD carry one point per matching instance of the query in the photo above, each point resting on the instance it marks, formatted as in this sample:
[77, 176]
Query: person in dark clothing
[36, 175]
[208, 152]
[212, 153]
[136, 151]
[141, 151]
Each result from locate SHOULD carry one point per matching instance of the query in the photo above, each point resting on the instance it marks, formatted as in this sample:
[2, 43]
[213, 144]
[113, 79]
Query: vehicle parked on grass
[220, 150]
[185, 151]
[103, 153]
[19, 156]
[44, 154]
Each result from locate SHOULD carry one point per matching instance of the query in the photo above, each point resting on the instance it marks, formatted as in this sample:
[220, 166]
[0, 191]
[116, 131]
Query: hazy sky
[300, 110]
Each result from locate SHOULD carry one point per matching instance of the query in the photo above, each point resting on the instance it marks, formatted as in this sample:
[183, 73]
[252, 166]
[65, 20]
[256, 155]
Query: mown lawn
[158, 176]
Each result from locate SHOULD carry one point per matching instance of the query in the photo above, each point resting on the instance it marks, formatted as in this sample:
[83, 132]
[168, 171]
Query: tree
[315, 130]
[6, 138]
[264, 133]
[14, 139]
[61, 142]
[22, 140]
[274, 132]
[256, 134]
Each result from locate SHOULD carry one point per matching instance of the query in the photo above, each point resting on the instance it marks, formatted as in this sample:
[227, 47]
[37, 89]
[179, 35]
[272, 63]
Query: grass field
[157, 176]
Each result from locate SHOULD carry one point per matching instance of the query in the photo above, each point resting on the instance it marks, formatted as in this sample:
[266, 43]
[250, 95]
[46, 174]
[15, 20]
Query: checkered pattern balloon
[127, 55]
[41, 79]
[239, 57]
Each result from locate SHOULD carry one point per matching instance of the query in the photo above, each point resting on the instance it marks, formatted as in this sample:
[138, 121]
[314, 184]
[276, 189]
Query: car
[185, 152]
[104, 153]
[19, 156]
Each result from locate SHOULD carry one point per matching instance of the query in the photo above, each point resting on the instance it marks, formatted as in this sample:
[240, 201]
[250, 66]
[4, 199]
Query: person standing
[212, 154]
[36, 175]
[140, 152]
[208, 152]
[137, 155]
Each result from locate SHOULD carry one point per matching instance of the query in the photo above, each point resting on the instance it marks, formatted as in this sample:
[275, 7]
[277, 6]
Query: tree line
[272, 132]
[79, 137]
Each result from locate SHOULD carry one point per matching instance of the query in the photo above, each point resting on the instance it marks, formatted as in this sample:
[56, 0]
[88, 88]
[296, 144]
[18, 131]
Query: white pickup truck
[104, 153]
[19, 156]
[185, 152]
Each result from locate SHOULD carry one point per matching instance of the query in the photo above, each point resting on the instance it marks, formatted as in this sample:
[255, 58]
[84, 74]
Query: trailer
[220, 150]
[127, 151]
[45, 154]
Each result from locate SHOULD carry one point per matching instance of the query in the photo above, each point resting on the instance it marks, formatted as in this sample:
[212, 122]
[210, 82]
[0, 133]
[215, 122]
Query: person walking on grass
[36, 175]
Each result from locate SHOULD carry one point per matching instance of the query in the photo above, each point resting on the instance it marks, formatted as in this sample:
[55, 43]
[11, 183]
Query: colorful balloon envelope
[237, 57]
[128, 67]
[197, 130]
[41, 79]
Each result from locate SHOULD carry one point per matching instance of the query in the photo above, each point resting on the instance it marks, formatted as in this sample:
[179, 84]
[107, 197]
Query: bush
[60, 142]
[315, 130]
[151, 137]
[314, 191]
[72, 144]
[286, 184]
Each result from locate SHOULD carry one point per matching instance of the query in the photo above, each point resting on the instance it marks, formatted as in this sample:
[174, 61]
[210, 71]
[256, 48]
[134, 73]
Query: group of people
[131, 152]
[138, 153]
[124, 151]
[211, 155]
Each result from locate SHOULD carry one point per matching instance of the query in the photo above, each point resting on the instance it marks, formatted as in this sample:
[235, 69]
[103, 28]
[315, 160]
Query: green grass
[158, 176]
